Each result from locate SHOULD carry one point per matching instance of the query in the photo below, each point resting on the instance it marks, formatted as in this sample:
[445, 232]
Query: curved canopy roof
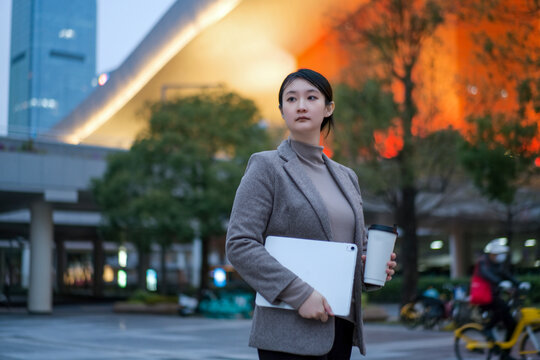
[246, 45]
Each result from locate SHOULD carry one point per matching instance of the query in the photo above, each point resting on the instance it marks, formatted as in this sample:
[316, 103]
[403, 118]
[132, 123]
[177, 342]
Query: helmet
[497, 246]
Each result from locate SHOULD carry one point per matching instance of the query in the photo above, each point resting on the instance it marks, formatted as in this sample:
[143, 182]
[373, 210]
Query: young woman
[297, 191]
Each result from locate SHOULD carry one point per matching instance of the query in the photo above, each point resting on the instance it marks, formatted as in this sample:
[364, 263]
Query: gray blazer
[276, 197]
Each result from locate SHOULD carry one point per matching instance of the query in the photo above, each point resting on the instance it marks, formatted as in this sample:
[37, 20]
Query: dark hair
[317, 80]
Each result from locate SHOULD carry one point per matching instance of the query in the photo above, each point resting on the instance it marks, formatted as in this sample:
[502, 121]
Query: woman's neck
[311, 139]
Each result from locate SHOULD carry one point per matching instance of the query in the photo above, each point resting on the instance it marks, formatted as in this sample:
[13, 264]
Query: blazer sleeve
[250, 215]
[354, 179]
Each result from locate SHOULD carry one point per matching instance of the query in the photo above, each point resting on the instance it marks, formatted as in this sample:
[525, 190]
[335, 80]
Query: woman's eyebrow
[294, 91]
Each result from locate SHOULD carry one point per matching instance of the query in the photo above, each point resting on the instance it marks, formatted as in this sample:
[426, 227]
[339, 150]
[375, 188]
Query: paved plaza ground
[96, 332]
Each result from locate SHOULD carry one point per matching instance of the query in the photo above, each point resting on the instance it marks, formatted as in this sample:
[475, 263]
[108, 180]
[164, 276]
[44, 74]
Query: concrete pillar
[25, 265]
[41, 251]
[196, 262]
[458, 254]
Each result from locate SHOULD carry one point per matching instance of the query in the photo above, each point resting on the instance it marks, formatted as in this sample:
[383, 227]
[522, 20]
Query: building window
[18, 57]
[67, 55]
[66, 34]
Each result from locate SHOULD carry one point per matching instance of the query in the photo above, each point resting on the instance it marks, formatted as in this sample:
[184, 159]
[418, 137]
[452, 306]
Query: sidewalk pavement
[372, 312]
[88, 332]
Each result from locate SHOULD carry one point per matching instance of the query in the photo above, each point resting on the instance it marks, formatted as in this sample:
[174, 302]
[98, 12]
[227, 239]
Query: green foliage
[148, 298]
[391, 292]
[361, 112]
[364, 111]
[180, 175]
[496, 155]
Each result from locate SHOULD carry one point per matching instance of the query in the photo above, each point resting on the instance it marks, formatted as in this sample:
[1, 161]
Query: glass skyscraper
[53, 62]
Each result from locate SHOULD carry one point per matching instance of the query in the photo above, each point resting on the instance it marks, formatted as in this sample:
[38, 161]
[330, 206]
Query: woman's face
[304, 108]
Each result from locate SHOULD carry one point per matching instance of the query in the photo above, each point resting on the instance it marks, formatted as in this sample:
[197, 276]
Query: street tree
[496, 155]
[178, 180]
[502, 103]
[381, 131]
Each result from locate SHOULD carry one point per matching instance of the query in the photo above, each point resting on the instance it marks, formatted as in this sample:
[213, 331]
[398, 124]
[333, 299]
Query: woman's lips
[302, 118]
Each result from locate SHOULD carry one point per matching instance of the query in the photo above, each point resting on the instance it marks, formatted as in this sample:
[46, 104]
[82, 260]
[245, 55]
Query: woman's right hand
[315, 307]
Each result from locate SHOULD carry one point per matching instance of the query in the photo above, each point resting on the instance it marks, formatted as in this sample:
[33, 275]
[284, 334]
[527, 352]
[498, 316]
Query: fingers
[364, 258]
[327, 307]
[390, 267]
[316, 307]
[323, 317]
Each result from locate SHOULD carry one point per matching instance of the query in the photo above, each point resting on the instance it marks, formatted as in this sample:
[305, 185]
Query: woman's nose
[301, 105]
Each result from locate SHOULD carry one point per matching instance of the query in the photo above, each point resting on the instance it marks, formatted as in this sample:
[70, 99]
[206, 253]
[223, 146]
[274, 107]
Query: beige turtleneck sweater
[339, 210]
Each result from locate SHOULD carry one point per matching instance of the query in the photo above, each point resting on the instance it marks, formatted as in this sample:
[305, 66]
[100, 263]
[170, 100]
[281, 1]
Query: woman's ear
[330, 109]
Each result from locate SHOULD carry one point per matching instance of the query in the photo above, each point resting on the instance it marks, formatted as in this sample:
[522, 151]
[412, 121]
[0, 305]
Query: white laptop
[327, 266]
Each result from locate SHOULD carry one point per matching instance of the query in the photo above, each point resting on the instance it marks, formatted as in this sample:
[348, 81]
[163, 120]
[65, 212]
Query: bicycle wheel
[410, 314]
[470, 343]
[529, 348]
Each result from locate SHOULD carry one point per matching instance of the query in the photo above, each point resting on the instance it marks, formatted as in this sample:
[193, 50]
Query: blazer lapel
[293, 167]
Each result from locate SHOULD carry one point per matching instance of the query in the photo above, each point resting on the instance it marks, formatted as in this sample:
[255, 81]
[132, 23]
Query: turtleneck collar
[307, 152]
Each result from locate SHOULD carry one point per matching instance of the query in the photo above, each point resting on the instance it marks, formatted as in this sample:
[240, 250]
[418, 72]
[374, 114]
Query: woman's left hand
[390, 266]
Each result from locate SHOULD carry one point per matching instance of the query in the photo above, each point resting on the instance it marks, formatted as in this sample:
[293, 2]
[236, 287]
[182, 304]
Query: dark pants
[500, 312]
[341, 349]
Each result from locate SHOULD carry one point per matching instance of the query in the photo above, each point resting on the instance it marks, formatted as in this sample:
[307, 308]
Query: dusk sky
[121, 25]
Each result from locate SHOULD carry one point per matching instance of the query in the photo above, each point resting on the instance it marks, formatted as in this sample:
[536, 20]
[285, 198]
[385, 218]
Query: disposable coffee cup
[381, 240]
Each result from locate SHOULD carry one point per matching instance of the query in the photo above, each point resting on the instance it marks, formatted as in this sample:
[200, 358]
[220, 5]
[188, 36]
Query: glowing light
[122, 256]
[436, 245]
[66, 34]
[122, 278]
[108, 274]
[537, 161]
[102, 79]
[212, 14]
[220, 277]
[151, 280]
[501, 240]
[473, 90]
[530, 243]
[537, 263]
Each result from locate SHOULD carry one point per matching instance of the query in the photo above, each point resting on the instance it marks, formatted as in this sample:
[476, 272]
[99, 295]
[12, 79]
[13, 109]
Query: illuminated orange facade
[453, 79]
[250, 45]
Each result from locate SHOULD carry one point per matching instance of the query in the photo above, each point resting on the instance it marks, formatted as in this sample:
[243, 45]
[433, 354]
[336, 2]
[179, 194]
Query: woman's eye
[290, 99]
[312, 97]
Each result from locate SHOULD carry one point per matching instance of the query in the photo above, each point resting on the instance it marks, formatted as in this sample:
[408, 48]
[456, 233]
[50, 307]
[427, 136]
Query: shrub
[391, 292]
[145, 297]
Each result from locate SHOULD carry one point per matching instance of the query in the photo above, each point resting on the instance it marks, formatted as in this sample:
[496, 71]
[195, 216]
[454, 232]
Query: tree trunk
[538, 246]
[409, 249]
[163, 284]
[98, 267]
[509, 224]
[406, 212]
[144, 260]
[204, 266]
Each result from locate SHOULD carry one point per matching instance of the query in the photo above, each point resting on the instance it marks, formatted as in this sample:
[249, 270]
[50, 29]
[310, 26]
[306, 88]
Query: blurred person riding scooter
[490, 275]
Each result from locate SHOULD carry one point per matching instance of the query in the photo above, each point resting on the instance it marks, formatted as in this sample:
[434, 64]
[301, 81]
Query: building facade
[52, 64]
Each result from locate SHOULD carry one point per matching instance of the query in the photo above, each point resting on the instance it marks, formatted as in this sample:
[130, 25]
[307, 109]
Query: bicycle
[423, 311]
[472, 343]
[410, 314]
